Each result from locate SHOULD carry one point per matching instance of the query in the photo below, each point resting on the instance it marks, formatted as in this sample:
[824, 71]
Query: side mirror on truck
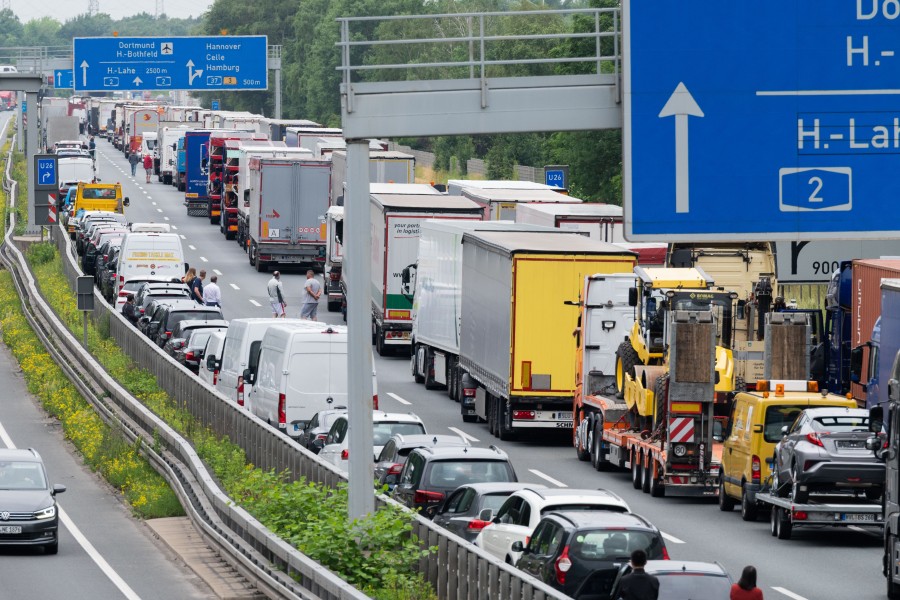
[856, 362]
[876, 419]
[632, 297]
[249, 376]
[126, 201]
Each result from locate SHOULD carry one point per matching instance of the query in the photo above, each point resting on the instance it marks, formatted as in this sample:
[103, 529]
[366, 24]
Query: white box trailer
[437, 282]
[456, 186]
[501, 203]
[277, 128]
[384, 167]
[396, 223]
[306, 137]
[288, 199]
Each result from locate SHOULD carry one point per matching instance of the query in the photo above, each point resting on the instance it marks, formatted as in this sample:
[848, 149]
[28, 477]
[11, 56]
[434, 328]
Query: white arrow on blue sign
[46, 171]
[171, 63]
[749, 120]
[64, 79]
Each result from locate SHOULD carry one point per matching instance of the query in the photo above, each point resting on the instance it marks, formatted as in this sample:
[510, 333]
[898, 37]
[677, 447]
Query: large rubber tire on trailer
[647, 470]
[491, 413]
[584, 438]
[726, 502]
[661, 395]
[504, 422]
[636, 474]
[430, 382]
[783, 525]
[414, 362]
[454, 376]
[626, 358]
[379, 341]
[778, 486]
[261, 265]
[598, 461]
[798, 496]
[749, 510]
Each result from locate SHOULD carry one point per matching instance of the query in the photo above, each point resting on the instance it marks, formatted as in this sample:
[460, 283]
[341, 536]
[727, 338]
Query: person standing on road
[148, 166]
[212, 296]
[92, 147]
[133, 160]
[276, 295]
[638, 585]
[312, 291]
[197, 286]
[745, 588]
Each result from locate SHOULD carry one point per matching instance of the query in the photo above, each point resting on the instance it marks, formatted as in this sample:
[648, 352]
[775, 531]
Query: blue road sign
[105, 64]
[64, 79]
[214, 105]
[761, 120]
[555, 177]
[45, 172]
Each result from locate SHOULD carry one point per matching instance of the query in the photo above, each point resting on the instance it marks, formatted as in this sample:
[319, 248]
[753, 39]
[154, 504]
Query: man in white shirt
[276, 295]
[212, 296]
[312, 291]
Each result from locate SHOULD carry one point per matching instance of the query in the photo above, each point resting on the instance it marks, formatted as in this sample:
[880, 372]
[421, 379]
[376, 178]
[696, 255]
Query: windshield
[721, 307]
[454, 473]
[777, 417]
[22, 475]
[384, 431]
[678, 586]
[615, 545]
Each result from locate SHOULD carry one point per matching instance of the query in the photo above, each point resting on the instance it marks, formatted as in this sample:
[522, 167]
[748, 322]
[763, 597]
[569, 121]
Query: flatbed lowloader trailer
[824, 511]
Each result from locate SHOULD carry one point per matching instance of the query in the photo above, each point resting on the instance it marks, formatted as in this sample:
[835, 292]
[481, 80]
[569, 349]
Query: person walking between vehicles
[148, 166]
[639, 585]
[133, 160]
[745, 588]
[197, 286]
[212, 296]
[92, 147]
[129, 310]
[276, 295]
[312, 291]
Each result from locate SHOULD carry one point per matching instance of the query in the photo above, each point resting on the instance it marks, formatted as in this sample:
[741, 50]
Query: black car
[106, 274]
[397, 449]
[461, 512]
[148, 324]
[312, 437]
[93, 248]
[431, 473]
[28, 511]
[173, 314]
[567, 546]
[182, 340]
[104, 254]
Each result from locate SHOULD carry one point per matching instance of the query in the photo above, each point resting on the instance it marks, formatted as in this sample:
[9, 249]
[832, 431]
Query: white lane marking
[671, 538]
[399, 399]
[254, 302]
[166, 218]
[175, 228]
[788, 593]
[83, 541]
[204, 259]
[463, 434]
[234, 286]
[217, 272]
[190, 246]
[546, 477]
[153, 203]
[151, 198]
[158, 210]
[182, 236]
[145, 193]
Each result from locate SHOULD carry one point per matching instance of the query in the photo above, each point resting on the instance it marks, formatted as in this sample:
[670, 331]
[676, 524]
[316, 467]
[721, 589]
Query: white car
[520, 514]
[384, 425]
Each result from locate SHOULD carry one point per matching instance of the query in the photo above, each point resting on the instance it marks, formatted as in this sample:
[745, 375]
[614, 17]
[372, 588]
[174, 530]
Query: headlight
[679, 450]
[47, 513]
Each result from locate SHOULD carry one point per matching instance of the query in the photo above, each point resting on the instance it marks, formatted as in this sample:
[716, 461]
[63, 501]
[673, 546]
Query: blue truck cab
[838, 304]
[179, 164]
[196, 168]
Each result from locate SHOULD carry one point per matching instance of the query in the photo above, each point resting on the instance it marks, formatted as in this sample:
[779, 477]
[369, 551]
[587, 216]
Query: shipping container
[866, 308]
[384, 167]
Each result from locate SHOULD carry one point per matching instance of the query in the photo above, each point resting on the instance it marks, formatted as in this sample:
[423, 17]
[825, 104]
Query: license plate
[870, 517]
[858, 444]
[10, 529]
[564, 416]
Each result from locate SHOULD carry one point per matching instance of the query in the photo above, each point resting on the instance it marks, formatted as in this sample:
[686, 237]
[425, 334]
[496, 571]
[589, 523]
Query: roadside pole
[85, 288]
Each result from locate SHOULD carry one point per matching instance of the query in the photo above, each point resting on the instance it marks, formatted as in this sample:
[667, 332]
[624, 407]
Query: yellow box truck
[516, 334]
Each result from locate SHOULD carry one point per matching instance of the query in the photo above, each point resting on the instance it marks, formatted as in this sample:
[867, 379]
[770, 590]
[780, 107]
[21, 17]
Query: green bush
[42, 253]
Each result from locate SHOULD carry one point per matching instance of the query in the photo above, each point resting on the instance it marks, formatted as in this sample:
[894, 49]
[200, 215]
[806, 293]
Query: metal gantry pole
[31, 147]
[358, 273]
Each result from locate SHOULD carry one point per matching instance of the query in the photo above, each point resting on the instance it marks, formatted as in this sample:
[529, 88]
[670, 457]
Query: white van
[244, 336]
[213, 350]
[150, 228]
[301, 371]
[149, 256]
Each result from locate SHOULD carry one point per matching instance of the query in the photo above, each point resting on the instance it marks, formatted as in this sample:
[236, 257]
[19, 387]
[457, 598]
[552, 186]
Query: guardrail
[461, 571]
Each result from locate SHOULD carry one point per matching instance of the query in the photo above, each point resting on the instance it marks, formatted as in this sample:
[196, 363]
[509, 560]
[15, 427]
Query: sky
[62, 10]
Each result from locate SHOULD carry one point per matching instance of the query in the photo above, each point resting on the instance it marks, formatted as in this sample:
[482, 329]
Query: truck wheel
[453, 388]
[504, 426]
[379, 341]
[748, 508]
[598, 461]
[636, 474]
[773, 521]
[661, 395]
[626, 358]
[584, 436]
[783, 523]
[414, 364]
[657, 487]
[261, 265]
[430, 382]
[797, 495]
[777, 484]
[491, 413]
[647, 471]
[726, 502]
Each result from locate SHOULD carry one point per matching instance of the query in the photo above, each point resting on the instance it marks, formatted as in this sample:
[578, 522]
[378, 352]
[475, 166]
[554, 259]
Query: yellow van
[754, 429]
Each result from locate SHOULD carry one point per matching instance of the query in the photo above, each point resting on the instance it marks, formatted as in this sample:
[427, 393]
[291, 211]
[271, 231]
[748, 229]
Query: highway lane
[822, 564]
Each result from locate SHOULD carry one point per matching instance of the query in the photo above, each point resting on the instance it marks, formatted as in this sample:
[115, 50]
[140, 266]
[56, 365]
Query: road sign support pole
[84, 314]
[358, 269]
[31, 147]
[20, 123]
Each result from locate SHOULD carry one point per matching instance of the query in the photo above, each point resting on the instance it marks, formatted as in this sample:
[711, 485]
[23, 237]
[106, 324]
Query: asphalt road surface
[815, 565]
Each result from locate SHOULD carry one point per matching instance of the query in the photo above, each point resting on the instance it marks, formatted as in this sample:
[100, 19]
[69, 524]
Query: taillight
[468, 392]
[282, 414]
[813, 438]
[345, 454]
[665, 553]
[168, 334]
[189, 355]
[424, 497]
[523, 415]
[321, 436]
[105, 257]
[395, 469]
[562, 566]
[334, 276]
[215, 377]
[477, 525]
[240, 390]
[800, 515]
[375, 402]
[755, 468]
